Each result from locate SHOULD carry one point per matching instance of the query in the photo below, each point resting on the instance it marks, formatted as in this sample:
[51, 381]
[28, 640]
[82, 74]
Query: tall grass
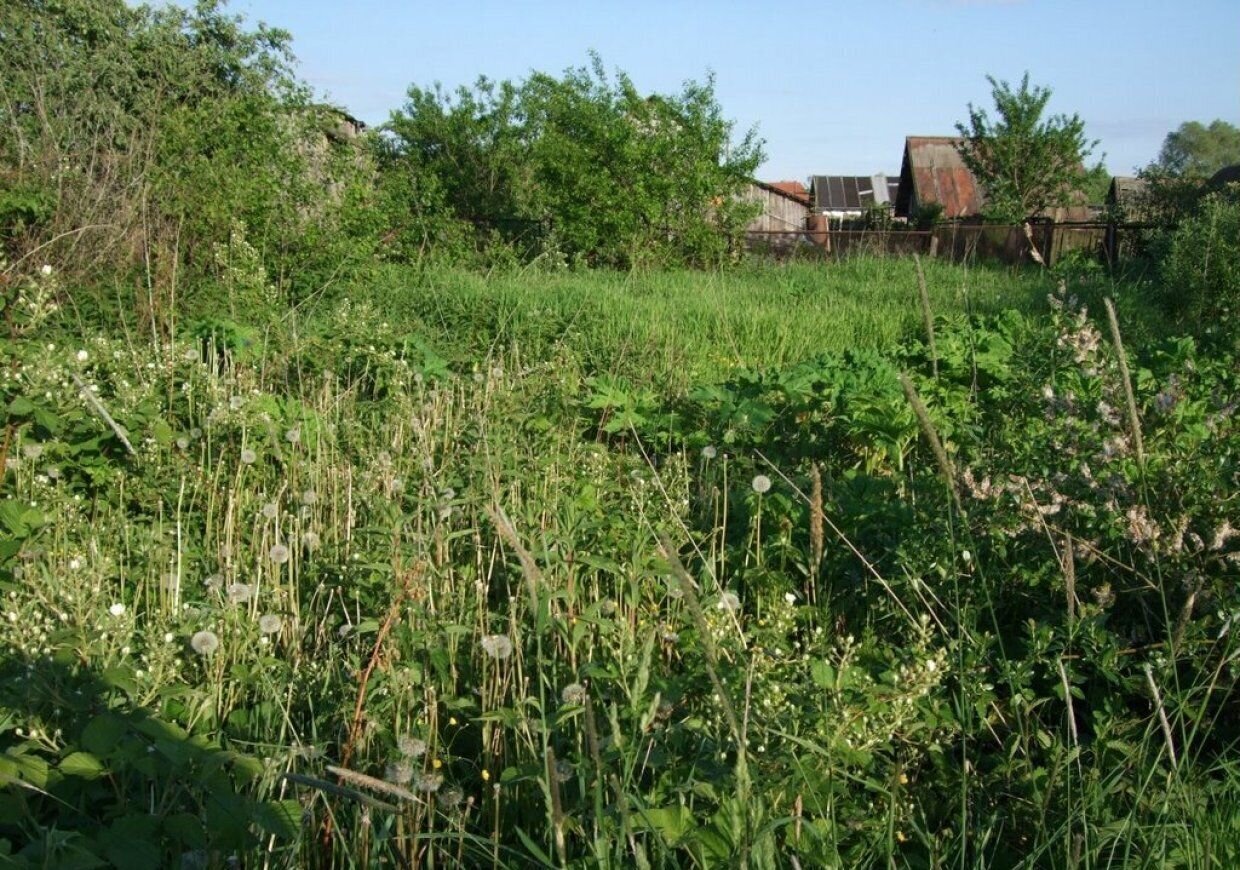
[456, 625]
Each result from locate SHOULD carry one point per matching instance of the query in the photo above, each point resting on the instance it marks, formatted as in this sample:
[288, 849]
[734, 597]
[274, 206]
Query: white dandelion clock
[497, 646]
[573, 693]
[204, 643]
[239, 593]
[761, 484]
[269, 623]
[729, 602]
[248, 456]
[278, 554]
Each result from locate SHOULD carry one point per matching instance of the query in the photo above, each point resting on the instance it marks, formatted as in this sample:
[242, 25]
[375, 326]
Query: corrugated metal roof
[933, 172]
[853, 193]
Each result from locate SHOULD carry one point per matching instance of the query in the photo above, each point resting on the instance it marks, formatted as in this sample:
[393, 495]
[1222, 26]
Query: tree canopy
[1026, 163]
[581, 165]
[1199, 149]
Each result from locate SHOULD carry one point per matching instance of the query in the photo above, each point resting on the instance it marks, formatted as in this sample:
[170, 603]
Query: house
[933, 176]
[1126, 197]
[850, 196]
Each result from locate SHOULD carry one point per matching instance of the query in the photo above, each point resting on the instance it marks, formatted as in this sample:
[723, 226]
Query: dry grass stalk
[508, 534]
[932, 436]
[927, 314]
[1067, 697]
[338, 790]
[1162, 715]
[557, 809]
[97, 407]
[1069, 577]
[1134, 422]
[816, 517]
[708, 646]
[373, 783]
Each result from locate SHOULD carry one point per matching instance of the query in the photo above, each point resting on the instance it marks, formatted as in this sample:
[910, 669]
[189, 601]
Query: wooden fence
[960, 242]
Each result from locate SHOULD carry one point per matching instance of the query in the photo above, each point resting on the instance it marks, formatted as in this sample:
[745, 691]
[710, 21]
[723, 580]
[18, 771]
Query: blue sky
[833, 87]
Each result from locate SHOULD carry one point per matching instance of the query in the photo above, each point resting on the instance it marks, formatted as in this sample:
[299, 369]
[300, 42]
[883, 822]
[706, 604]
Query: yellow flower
[451, 720]
[437, 764]
[486, 775]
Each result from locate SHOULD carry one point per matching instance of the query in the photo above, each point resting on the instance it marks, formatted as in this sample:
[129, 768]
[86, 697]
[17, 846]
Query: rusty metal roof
[933, 172]
[794, 189]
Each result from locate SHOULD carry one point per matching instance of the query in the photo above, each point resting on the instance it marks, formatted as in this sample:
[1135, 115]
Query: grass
[457, 619]
[681, 327]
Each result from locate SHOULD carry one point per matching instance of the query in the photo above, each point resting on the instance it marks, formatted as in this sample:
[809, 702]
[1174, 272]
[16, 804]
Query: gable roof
[932, 171]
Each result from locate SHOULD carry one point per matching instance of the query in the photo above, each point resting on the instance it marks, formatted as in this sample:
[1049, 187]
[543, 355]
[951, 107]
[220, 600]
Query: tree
[1198, 150]
[1025, 164]
[580, 165]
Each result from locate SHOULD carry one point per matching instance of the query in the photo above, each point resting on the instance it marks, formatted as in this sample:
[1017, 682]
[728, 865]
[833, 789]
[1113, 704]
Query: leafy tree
[1026, 163]
[1199, 150]
[580, 166]
[142, 138]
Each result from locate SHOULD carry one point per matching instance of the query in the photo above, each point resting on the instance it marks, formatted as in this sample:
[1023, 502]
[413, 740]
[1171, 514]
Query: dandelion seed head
[204, 643]
[761, 484]
[410, 746]
[563, 770]
[497, 646]
[450, 797]
[310, 540]
[573, 693]
[429, 782]
[117, 609]
[278, 554]
[399, 773]
[248, 456]
[270, 510]
[729, 601]
[82, 356]
[309, 497]
[45, 270]
[182, 443]
[269, 623]
[239, 593]
[293, 436]
[710, 451]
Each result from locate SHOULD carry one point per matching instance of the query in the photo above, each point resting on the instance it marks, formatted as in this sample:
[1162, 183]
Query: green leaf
[279, 818]
[102, 733]
[673, 823]
[533, 848]
[82, 765]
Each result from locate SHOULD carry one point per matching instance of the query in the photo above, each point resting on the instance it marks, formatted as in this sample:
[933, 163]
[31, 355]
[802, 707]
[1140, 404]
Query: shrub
[1201, 264]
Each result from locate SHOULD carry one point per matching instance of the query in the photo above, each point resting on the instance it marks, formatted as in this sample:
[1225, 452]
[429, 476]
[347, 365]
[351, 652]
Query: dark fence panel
[960, 242]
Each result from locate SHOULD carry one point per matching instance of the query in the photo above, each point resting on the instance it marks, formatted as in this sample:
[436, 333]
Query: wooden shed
[781, 223]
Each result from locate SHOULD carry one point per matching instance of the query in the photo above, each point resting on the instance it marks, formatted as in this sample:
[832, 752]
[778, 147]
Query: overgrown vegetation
[322, 546]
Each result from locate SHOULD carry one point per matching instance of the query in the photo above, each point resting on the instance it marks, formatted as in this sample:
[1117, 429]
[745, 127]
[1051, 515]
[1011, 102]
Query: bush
[1201, 264]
